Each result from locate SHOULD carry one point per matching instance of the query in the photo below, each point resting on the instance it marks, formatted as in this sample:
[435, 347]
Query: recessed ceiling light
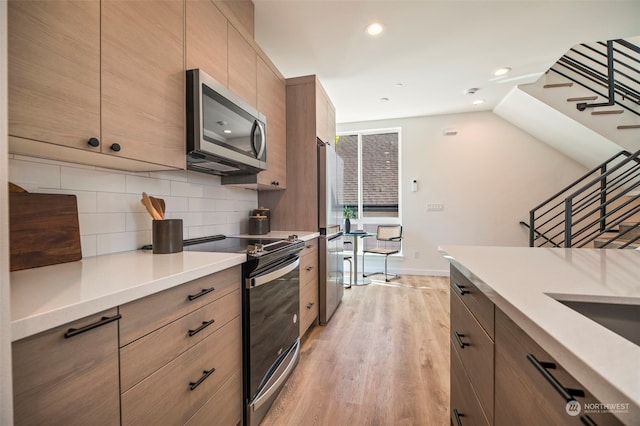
[383, 100]
[501, 71]
[471, 91]
[374, 28]
[399, 85]
[479, 101]
[227, 131]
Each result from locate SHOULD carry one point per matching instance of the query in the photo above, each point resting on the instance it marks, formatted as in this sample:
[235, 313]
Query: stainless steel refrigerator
[330, 173]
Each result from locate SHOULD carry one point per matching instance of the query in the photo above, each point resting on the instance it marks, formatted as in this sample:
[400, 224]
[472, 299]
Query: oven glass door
[272, 313]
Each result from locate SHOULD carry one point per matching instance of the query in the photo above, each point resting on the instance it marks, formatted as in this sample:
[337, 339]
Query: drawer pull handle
[310, 305]
[460, 289]
[205, 374]
[457, 414]
[459, 339]
[587, 421]
[202, 293]
[309, 268]
[105, 320]
[566, 393]
[309, 246]
[204, 325]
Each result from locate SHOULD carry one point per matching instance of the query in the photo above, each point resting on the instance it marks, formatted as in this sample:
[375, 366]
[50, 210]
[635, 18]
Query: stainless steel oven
[272, 335]
[271, 299]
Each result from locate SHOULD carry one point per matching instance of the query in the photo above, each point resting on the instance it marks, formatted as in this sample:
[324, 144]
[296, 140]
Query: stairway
[601, 209]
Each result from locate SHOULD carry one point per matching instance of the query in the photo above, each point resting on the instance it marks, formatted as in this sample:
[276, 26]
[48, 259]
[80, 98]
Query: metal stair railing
[590, 207]
[613, 74]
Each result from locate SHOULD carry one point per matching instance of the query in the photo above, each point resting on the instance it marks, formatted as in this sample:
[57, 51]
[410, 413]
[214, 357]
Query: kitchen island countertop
[46, 297]
[526, 284]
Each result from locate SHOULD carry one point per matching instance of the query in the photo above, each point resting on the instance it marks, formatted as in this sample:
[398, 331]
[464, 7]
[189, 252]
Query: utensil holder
[167, 236]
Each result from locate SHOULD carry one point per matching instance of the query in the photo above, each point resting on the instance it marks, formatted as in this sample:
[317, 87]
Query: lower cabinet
[308, 285]
[69, 375]
[171, 358]
[532, 388]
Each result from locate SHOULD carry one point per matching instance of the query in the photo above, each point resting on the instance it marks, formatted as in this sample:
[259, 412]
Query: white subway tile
[155, 187]
[89, 245]
[137, 222]
[114, 202]
[172, 175]
[176, 204]
[101, 223]
[203, 178]
[124, 241]
[92, 180]
[34, 176]
[186, 189]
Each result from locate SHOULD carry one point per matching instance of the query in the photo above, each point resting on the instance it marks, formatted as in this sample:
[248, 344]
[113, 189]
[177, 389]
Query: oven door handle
[271, 276]
[283, 373]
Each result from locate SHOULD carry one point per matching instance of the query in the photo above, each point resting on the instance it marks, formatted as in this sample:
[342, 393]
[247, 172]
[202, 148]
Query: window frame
[378, 220]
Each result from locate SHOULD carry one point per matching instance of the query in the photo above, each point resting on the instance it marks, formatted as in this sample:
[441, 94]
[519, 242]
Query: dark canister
[258, 225]
[167, 236]
[263, 211]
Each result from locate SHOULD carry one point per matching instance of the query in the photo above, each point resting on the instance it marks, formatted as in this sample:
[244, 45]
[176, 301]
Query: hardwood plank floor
[383, 359]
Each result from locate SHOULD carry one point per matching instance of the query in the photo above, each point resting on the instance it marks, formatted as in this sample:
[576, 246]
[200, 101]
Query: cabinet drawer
[147, 354]
[479, 305]
[224, 408]
[523, 393]
[308, 268]
[65, 381]
[475, 349]
[465, 406]
[309, 247]
[308, 305]
[167, 397]
[145, 315]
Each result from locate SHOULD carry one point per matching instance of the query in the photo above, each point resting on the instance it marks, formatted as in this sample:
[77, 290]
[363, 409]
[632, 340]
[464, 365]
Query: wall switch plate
[435, 207]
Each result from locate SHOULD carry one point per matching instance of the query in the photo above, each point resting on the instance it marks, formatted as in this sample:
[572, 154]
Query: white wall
[488, 176]
[6, 405]
[112, 219]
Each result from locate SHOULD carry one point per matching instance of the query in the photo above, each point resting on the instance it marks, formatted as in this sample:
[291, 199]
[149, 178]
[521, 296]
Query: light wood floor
[383, 359]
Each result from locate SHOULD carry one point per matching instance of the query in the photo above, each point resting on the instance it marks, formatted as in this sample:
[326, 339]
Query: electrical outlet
[435, 207]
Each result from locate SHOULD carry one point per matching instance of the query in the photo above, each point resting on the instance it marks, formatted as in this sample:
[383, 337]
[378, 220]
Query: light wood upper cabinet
[206, 39]
[54, 71]
[242, 67]
[272, 98]
[143, 101]
[322, 115]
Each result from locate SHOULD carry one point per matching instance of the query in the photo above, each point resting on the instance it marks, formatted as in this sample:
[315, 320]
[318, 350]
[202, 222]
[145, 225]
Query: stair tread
[612, 111]
[628, 126]
[582, 98]
[555, 85]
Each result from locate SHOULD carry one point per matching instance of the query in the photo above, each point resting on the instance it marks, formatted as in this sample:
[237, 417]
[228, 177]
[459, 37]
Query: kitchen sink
[622, 319]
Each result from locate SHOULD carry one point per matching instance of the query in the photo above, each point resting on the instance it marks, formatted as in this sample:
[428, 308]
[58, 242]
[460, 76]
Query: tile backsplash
[112, 219]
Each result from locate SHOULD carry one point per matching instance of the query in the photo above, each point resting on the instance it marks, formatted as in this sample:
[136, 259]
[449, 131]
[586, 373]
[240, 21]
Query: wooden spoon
[146, 201]
[158, 205]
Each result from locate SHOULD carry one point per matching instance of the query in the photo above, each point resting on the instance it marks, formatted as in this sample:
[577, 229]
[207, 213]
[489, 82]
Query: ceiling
[435, 49]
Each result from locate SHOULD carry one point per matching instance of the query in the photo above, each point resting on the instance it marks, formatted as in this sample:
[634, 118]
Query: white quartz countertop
[525, 282]
[303, 235]
[46, 297]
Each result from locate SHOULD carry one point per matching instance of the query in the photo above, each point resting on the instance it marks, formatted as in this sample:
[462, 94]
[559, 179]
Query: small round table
[358, 280]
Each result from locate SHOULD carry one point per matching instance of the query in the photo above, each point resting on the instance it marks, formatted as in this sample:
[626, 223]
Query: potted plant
[348, 215]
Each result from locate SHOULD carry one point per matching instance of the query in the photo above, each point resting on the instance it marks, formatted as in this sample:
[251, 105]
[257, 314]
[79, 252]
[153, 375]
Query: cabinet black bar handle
[204, 325]
[105, 320]
[310, 305]
[458, 415]
[309, 268]
[566, 393]
[587, 421]
[202, 293]
[460, 342]
[460, 289]
[205, 374]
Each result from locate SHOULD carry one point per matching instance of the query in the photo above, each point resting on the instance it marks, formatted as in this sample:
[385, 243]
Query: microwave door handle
[258, 151]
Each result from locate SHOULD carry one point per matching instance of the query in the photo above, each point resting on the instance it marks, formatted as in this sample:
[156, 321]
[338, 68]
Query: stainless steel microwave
[225, 135]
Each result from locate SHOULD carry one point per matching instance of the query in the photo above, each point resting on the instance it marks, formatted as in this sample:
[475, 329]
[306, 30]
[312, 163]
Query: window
[371, 174]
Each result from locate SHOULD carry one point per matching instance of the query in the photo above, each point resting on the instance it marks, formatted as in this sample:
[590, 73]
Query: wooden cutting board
[43, 230]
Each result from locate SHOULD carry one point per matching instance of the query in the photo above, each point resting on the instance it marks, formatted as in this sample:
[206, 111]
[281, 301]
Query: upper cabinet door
[242, 67]
[272, 99]
[322, 114]
[143, 80]
[331, 123]
[206, 42]
[54, 71]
